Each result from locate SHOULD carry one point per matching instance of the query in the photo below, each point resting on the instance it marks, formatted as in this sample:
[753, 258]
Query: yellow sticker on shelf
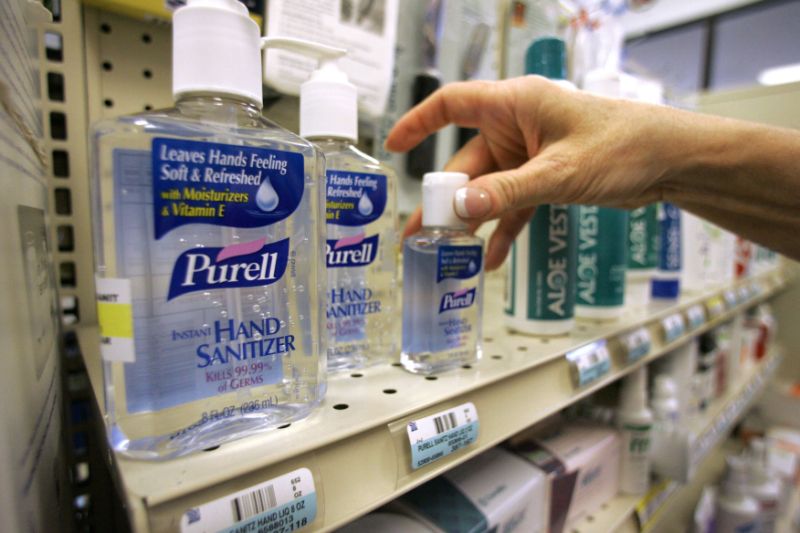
[115, 317]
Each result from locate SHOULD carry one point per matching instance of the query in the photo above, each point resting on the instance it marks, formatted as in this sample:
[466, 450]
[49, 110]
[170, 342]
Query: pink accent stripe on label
[244, 248]
[462, 292]
[349, 241]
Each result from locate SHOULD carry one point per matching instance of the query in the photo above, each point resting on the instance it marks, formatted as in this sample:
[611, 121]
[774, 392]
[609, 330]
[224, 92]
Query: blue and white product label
[589, 362]
[637, 343]
[221, 184]
[251, 264]
[354, 198]
[355, 251]
[674, 327]
[280, 505]
[696, 315]
[670, 252]
[458, 262]
[460, 299]
[441, 434]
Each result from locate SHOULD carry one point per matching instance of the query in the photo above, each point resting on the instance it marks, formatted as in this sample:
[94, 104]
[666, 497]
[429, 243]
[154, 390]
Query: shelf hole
[108, 102]
[522, 348]
[148, 107]
[66, 274]
[211, 449]
[604, 506]
[341, 406]
[582, 328]
[66, 238]
[60, 163]
[107, 66]
[63, 201]
[284, 426]
[497, 357]
[147, 73]
[146, 39]
[590, 518]
[488, 339]
[58, 126]
[431, 378]
[397, 364]
[466, 367]
[53, 46]
[105, 27]
[357, 375]
[55, 86]
[389, 391]
[544, 341]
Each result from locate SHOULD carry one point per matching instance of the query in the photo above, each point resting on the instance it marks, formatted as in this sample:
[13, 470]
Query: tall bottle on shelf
[540, 288]
[667, 280]
[635, 421]
[443, 283]
[736, 510]
[362, 225]
[209, 246]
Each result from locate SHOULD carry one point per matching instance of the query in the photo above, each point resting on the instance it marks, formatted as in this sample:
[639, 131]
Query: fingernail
[472, 202]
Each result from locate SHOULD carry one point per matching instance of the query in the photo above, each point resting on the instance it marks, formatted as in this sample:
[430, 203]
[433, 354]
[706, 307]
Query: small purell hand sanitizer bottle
[209, 252]
[442, 283]
[362, 226]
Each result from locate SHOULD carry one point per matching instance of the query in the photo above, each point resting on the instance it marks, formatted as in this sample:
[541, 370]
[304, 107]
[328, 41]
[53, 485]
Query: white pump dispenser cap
[216, 50]
[328, 101]
[438, 191]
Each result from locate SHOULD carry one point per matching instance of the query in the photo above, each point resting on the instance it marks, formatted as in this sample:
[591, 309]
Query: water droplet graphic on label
[472, 266]
[266, 197]
[365, 206]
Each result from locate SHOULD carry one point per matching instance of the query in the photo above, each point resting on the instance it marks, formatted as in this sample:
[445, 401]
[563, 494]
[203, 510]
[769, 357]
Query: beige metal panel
[359, 455]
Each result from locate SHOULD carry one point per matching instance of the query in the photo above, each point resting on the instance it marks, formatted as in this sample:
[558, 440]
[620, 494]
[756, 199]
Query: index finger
[457, 103]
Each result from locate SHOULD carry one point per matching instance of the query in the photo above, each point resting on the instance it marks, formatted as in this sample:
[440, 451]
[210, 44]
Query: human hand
[539, 144]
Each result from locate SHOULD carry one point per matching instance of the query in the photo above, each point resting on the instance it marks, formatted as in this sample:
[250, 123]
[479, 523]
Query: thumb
[539, 181]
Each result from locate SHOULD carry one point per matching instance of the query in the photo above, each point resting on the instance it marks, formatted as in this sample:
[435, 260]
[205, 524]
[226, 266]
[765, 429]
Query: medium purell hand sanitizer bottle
[362, 225]
[209, 246]
[442, 283]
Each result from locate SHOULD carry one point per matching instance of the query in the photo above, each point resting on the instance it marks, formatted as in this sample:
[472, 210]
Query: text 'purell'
[457, 300]
[351, 251]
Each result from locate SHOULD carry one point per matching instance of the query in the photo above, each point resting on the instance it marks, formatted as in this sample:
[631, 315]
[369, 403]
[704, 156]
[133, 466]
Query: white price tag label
[715, 306]
[674, 327]
[756, 288]
[696, 315]
[589, 362]
[283, 504]
[730, 298]
[743, 293]
[438, 435]
[637, 344]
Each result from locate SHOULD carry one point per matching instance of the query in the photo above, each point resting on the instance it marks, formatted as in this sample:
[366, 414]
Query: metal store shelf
[360, 456]
[712, 428]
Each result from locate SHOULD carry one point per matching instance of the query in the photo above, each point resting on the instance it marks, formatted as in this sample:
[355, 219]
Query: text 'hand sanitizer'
[209, 252]
[361, 220]
[443, 283]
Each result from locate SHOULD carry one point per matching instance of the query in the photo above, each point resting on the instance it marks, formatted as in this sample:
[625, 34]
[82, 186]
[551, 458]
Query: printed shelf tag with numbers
[674, 327]
[743, 293]
[715, 306]
[696, 315]
[637, 343]
[589, 362]
[280, 505]
[436, 436]
[730, 298]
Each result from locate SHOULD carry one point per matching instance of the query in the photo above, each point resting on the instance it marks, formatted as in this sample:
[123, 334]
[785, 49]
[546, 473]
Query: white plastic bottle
[362, 225]
[209, 252]
[443, 283]
[635, 423]
[665, 404]
[737, 511]
[764, 486]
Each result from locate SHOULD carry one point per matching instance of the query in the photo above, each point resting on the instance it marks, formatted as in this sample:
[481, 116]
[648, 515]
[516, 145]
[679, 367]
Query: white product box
[582, 463]
[496, 491]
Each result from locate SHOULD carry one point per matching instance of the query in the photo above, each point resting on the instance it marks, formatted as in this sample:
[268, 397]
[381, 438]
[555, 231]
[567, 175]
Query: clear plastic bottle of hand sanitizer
[442, 283]
[209, 251]
[362, 225]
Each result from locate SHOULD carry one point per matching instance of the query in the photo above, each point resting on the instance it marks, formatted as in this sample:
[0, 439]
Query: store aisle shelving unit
[356, 444]
[712, 428]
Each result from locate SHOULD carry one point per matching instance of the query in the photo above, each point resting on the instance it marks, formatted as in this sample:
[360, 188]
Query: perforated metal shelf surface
[358, 457]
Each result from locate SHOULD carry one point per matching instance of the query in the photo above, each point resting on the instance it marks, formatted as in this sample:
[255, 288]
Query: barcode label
[440, 434]
[696, 315]
[445, 422]
[254, 503]
[744, 293]
[674, 327]
[637, 343]
[730, 298]
[280, 505]
[589, 362]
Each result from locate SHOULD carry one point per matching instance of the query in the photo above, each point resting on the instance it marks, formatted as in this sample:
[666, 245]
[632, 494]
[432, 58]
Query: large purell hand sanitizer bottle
[209, 243]
[361, 218]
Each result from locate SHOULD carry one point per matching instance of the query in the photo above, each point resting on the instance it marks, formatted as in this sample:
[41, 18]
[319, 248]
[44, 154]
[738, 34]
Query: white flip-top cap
[603, 82]
[328, 101]
[438, 191]
[216, 49]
